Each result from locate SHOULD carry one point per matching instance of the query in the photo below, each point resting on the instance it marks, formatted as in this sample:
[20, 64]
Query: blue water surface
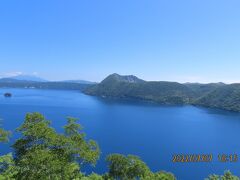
[154, 133]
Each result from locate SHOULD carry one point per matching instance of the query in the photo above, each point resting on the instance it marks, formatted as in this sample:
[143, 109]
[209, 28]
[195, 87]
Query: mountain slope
[203, 89]
[217, 95]
[133, 87]
[118, 78]
[225, 97]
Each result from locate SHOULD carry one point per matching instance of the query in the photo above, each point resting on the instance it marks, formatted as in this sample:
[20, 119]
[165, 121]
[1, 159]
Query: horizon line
[72, 79]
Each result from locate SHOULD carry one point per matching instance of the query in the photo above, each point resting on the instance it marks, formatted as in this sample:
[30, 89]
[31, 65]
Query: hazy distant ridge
[28, 78]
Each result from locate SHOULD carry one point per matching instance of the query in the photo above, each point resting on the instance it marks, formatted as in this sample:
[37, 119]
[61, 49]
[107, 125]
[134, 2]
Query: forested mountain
[203, 89]
[131, 87]
[113, 78]
[224, 97]
[218, 95]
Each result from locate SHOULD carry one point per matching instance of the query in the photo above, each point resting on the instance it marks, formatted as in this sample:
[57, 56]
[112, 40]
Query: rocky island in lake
[8, 95]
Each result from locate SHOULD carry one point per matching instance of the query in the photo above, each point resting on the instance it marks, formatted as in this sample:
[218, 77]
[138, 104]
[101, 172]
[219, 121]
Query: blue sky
[185, 41]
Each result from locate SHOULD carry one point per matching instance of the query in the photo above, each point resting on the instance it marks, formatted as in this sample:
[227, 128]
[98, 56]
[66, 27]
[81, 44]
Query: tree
[7, 167]
[132, 167]
[227, 176]
[126, 167]
[4, 135]
[42, 153]
[6, 162]
[163, 176]
[93, 177]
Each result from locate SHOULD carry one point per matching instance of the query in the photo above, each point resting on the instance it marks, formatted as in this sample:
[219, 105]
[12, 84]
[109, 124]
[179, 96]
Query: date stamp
[191, 158]
[204, 158]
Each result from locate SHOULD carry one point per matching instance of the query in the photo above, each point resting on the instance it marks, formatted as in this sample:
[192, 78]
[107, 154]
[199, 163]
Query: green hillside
[217, 95]
[225, 97]
[125, 87]
[203, 89]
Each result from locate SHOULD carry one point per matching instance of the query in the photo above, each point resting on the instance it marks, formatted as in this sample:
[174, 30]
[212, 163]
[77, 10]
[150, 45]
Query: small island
[7, 95]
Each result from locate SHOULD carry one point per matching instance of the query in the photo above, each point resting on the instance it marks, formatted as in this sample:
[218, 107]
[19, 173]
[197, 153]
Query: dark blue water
[152, 132]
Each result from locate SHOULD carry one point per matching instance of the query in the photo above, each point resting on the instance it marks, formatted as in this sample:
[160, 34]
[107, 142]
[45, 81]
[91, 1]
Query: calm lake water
[152, 132]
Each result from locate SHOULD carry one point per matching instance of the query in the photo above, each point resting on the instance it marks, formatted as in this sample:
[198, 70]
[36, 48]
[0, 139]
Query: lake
[154, 133]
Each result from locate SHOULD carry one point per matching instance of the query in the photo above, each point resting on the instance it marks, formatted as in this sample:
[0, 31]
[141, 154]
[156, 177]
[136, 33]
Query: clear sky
[185, 41]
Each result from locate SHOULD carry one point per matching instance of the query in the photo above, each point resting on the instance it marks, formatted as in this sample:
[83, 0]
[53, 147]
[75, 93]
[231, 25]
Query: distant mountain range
[28, 78]
[32, 78]
[217, 95]
[79, 81]
[29, 83]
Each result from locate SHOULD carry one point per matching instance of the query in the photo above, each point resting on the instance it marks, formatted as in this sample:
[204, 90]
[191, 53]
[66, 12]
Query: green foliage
[227, 176]
[126, 167]
[7, 167]
[225, 97]
[201, 90]
[92, 177]
[160, 176]
[164, 176]
[4, 135]
[42, 153]
[132, 167]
